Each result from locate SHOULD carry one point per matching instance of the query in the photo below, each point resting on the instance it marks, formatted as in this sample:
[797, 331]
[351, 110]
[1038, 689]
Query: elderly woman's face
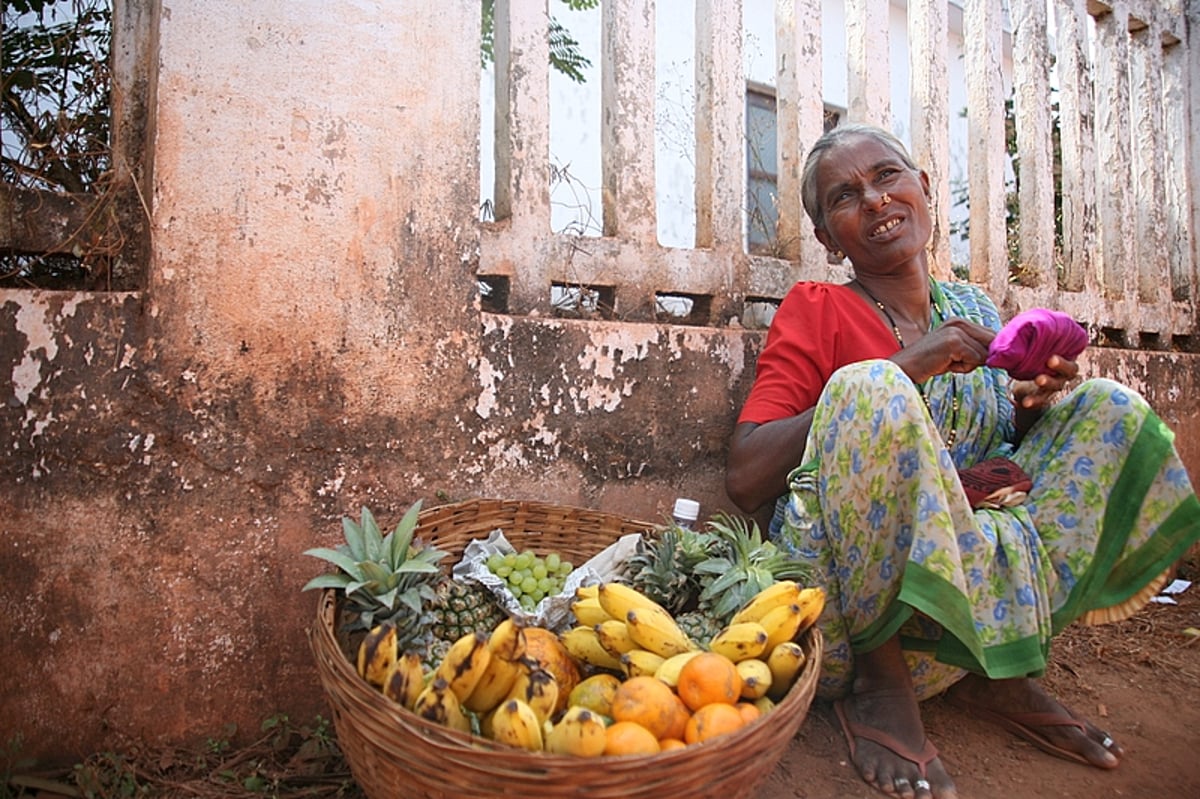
[876, 208]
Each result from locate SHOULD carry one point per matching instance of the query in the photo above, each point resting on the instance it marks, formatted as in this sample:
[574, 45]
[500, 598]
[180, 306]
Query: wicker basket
[394, 754]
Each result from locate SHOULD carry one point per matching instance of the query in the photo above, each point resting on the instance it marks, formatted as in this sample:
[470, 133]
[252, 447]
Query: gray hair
[829, 140]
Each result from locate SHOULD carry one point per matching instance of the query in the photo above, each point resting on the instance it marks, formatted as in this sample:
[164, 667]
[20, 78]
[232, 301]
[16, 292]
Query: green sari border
[1111, 579]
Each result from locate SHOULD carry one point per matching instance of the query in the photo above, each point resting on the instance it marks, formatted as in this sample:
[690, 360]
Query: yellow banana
[785, 662]
[589, 611]
[377, 653]
[588, 591]
[668, 672]
[538, 689]
[614, 636]
[507, 640]
[583, 644]
[812, 601]
[654, 629]
[782, 624]
[756, 678]
[580, 732]
[406, 680]
[514, 723]
[641, 663]
[618, 599]
[438, 704]
[738, 642]
[494, 684]
[782, 593]
[464, 664]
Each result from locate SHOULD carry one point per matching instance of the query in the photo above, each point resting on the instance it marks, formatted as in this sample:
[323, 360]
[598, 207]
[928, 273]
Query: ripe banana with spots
[507, 640]
[756, 678]
[618, 599]
[654, 629]
[668, 672]
[785, 662]
[516, 724]
[377, 653]
[464, 664]
[741, 641]
[589, 611]
[580, 732]
[494, 684]
[583, 644]
[641, 663]
[782, 624]
[406, 680]
[812, 600]
[615, 637]
[537, 688]
[780, 594]
[438, 704]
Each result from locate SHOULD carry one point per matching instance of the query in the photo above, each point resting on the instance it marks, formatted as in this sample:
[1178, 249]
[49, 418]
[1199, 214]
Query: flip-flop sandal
[1023, 726]
[854, 730]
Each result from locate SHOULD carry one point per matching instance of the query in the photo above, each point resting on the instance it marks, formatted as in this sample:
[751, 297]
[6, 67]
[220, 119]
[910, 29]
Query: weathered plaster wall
[309, 341]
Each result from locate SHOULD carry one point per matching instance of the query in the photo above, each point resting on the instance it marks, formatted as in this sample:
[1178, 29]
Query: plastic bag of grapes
[537, 589]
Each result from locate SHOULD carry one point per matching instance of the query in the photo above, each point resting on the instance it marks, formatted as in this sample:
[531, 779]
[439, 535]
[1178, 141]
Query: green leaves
[380, 576]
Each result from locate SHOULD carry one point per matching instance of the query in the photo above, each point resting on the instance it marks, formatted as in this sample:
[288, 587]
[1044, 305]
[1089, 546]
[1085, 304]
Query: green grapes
[529, 576]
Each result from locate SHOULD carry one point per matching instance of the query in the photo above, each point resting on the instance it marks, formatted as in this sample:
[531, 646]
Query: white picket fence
[1124, 259]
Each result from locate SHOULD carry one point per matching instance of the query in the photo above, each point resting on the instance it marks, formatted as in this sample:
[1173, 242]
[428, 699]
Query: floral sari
[877, 508]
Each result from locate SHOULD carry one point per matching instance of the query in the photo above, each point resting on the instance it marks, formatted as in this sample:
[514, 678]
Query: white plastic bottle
[686, 512]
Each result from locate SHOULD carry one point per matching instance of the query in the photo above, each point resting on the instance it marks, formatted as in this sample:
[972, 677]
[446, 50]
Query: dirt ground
[1138, 679]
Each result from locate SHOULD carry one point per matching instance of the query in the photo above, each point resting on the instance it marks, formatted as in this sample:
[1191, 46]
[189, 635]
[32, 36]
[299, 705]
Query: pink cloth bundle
[1023, 346]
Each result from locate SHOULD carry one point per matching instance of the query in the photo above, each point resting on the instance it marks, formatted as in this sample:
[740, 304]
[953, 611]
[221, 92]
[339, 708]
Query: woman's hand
[955, 346]
[1038, 394]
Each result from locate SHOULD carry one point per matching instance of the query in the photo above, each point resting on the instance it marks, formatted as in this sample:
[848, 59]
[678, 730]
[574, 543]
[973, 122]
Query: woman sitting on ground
[868, 398]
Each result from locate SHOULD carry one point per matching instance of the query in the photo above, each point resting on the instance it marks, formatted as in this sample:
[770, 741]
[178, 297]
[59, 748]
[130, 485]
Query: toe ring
[921, 785]
[1107, 743]
[900, 783]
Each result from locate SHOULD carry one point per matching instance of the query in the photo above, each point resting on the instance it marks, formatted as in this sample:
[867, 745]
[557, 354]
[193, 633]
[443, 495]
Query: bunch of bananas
[621, 630]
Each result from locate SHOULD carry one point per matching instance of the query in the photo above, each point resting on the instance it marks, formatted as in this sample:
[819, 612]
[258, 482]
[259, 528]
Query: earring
[835, 257]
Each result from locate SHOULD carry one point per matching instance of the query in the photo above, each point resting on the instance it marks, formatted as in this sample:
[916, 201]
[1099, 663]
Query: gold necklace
[900, 340]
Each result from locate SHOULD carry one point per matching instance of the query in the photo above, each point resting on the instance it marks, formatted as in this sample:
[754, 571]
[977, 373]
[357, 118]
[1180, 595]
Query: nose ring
[886, 198]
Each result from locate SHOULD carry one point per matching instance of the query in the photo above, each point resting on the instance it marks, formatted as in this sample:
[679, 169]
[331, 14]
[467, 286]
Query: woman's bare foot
[883, 724]
[1019, 704]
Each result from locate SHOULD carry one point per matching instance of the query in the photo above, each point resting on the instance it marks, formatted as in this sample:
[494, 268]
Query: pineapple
[461, 607]
[699, 625]
[663, 566]
[384, 579]
[742, 565]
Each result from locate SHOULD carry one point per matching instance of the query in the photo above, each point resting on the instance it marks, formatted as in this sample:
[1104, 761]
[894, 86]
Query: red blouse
[819, 328]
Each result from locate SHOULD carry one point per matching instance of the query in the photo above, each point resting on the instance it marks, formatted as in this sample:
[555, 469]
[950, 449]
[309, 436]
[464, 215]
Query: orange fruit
[543, 646]
[712, 720]
[750, 711]
[629, 738]
[669, 744]
[708, 679]
[679, 720]
[647, 701]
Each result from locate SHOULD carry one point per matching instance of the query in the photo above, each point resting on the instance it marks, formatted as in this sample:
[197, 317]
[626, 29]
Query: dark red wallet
[995, 483]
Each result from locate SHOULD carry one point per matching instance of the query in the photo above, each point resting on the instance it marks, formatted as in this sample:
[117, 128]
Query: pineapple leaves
[330, 580]
[338, 558]
[371, 537]
[401, 537]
